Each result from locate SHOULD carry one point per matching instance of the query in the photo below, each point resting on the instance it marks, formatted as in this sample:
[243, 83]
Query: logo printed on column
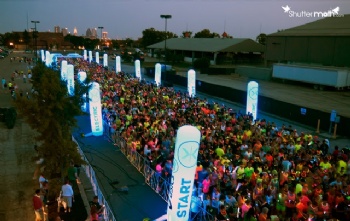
[187, 153]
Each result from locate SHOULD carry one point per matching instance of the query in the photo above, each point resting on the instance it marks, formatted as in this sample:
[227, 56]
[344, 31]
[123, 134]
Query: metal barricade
[154, 180]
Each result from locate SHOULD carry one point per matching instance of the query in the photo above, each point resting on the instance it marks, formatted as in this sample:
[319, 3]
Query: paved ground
[16, 158]
[16, 153]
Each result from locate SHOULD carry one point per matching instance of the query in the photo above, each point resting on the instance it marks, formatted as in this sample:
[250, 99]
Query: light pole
[35, 38]
[166, 17]
[101, 28]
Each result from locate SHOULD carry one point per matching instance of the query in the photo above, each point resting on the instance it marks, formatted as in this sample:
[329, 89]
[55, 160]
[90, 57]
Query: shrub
[10, 117]
[202, 64]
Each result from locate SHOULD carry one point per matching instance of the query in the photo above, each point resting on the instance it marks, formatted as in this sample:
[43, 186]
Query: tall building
[91, 33]
[65, 31]
[94, 32]
[75, 31]
[57, 29]
[88, 33]
[105, 35]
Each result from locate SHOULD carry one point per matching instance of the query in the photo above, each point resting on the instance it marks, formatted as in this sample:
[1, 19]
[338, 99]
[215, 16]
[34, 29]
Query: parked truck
[319, 76]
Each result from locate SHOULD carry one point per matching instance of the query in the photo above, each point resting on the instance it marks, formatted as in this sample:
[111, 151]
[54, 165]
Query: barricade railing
[152, 178]
[90, 173]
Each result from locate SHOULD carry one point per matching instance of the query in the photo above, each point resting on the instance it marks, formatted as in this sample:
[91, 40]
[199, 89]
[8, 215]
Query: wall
[254, 72]
[323, 50]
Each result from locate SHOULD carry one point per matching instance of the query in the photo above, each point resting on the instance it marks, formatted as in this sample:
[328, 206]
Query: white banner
[105, 60]
[158, 74]
[252, 99]
[42, 55]
[48, 59]
[64, 70]
[82, 78]
[191, 83]
[95, 110]
[97, 57]
[118, 67]
[90, 56]
[184, 169]
[70, 79]
[138, 69]
[85, 55]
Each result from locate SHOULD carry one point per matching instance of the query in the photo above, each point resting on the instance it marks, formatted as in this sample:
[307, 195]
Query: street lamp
[166, 17]
[101, 35]
[35, 39]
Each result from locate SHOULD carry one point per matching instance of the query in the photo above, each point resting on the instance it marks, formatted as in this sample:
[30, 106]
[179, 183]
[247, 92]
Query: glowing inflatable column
[105, 60]
[70, 79]
[118, 67]
[191, 83]
[42, 55]
[85, 55]
[64, 70]
[184, 168]
[158, 74]
[97, 57]
[138, 69]
[47, 59]
[82, 78]
[252, 98]
[90, 56]
[95, 110]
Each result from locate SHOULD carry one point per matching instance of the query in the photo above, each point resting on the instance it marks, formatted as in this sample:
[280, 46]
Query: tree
[129, 42]
[202, 64]
[10, 37]
[51, 112]
[205, 33]
[151, 36]
[115, 44]
[168, 35]
[225, 35]
[186, 34]
[75, 40]
[16, 37]
[261, 38]
[26, 38]
[90, 44]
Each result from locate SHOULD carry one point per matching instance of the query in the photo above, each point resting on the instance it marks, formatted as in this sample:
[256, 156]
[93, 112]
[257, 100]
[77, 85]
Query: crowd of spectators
[247, 169]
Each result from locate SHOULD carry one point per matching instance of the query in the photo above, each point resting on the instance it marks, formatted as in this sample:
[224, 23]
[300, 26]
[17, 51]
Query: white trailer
[317, 75]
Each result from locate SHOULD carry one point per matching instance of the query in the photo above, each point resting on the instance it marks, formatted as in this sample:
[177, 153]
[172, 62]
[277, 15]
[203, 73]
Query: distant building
[88, 33]
[64, 31]
[91, 33]
[75, 31]
[57, 29]
[45, 40]
[322, 42]
[234, 50]
[104, 35]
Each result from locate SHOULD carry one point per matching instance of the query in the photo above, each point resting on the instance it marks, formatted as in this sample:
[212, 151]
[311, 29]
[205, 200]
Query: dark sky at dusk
[128, 18]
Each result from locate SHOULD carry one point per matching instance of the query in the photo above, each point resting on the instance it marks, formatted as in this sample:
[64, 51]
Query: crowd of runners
[247, 169]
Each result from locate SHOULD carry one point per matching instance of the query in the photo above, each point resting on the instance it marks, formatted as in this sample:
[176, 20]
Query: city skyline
[127, 19]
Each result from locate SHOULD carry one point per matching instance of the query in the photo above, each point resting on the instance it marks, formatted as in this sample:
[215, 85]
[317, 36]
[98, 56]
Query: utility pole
[101, 28]
[35, 35]
[166, 17]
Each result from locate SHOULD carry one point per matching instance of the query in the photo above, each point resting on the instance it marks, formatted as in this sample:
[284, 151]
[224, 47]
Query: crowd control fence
[160, 185]
[90, 173]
